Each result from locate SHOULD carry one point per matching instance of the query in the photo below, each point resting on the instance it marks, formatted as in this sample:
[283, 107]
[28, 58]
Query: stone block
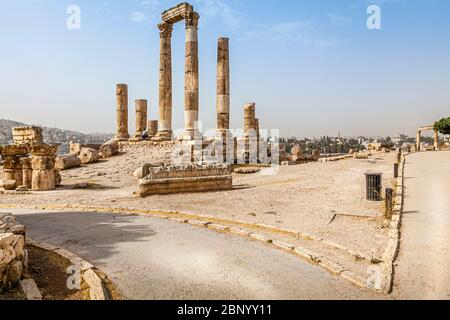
[186, 179]
[96, 289]
[30, 289]
[282, 245]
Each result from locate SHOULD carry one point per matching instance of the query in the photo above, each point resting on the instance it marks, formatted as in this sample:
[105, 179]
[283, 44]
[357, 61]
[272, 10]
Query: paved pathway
[423, 270]
[157, 259]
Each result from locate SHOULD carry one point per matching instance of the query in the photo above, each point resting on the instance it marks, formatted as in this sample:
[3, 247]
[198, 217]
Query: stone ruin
[149, 133]
[297, 157]
[182, 179]
[27, 135]
[13, 253]
[29, 163]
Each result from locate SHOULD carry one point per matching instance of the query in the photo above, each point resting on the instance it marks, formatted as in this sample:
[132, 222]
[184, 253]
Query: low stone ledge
[332, 267]
[308, 254]
[239, 231]
[198, 223]
[97, 290]
[186, 179]
[391, 252]
[354, 278]
[218, 227]
[260, 237]
[283, 245]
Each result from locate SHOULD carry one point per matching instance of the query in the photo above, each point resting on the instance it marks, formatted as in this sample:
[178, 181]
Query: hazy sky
[312, 67]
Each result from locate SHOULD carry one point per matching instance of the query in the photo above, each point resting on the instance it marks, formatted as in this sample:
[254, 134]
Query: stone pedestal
[141, 119]
[43, 165]
[122, 112]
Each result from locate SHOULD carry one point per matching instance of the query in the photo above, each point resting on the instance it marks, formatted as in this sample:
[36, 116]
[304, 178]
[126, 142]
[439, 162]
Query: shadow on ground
[94, 237]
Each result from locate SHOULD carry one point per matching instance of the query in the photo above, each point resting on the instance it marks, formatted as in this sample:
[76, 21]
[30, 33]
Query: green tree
[443, 126]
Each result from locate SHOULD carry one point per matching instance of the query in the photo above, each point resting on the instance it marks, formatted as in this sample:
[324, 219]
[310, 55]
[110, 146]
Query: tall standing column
[122, 112]
[141, 119]
[250, 135]
[191, 93]
[249, 117]
[165, 82]
[418, 140]
[436, 140]
[223, 85]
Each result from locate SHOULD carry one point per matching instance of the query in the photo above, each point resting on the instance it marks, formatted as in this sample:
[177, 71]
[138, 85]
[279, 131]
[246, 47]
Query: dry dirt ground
[324, 199]
[49, 272]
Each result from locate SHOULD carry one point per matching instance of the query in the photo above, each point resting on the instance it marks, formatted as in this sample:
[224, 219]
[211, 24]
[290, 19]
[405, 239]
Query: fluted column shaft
[436, 139]
[418, 140]
[141, 118]
[122, 112]
[191, 91]
[165, 82]
[223, 85]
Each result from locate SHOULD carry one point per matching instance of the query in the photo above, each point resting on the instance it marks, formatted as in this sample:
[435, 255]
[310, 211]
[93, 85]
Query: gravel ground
[304, 197]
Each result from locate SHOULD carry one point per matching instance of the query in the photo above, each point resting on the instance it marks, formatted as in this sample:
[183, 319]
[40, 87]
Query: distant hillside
[52, 135]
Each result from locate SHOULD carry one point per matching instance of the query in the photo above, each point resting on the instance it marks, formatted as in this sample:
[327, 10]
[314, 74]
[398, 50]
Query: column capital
[191, 18]
[165, 29]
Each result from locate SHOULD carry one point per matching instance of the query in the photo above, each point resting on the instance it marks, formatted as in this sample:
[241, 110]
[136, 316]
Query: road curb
[239, 228]
[97, 289]
[393, 246]
[203, 220]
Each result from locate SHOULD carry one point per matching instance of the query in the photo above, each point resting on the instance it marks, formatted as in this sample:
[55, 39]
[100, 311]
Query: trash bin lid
[373, 173]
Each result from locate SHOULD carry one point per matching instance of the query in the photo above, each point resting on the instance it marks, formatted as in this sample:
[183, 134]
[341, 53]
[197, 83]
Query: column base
[190, 135]
[137, 138]
[165, 135]
[122, 137]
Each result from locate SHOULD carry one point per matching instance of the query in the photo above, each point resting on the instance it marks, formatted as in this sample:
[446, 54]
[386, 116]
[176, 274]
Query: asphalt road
[149, 258]
[423, 270]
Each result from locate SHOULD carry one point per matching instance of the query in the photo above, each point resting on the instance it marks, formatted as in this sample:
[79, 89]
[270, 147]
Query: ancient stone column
[122, 112]
[258, 137]
[27, 172]
[419, 140]
[223, 85]
[43, 165]
[250, 134]
[12, 167]
[152, 128]
[191, 93]
[436, 140]
[249, 117]
[141, 119]
[165, 82]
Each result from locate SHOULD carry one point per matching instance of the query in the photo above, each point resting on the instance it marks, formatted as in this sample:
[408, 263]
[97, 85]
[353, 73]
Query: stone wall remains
[186, 179]
[27, 135]
[13, 253]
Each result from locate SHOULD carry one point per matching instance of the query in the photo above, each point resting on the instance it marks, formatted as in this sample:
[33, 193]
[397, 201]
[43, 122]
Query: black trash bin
[374, 186]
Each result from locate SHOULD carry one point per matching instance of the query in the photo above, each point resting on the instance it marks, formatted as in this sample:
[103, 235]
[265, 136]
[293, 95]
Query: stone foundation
[13, 253]
[186, 179]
